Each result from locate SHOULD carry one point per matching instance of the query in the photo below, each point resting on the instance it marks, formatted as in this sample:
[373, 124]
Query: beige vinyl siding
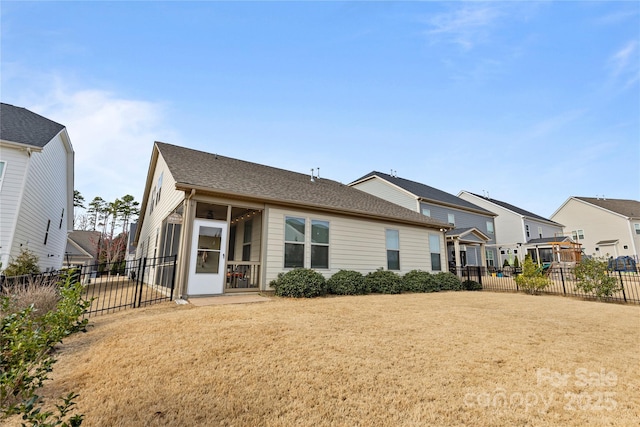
[354, 243]
[45, 196]
[598, 224]
[389, 192]
[170, 198]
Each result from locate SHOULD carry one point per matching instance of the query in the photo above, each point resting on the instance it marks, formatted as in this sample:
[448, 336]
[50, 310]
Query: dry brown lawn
[463, 358]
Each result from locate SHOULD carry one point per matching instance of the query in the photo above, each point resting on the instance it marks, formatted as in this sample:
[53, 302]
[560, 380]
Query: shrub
[592, 277]
[44, 297]
[27, 338]
[506, 263]
[301, 283]
[470, 285]
[516, 262]
[25, 263]
[532, 279]
[448, 281]
[419, 281]
[383, 282]
[346, 282]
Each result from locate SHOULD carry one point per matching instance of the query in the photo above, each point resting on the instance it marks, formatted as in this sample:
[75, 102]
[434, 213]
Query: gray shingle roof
[548, 240]
[20, 125]
[87, 240]
[239, 178]
[628, 208]
[516, 209]
[428, 193]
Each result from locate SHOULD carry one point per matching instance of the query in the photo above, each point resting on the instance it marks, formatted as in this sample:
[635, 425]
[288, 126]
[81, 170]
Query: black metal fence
[115, 286]
[562, 281]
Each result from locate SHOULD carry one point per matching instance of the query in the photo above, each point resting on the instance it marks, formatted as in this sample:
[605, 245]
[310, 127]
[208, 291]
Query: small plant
[27, 339]
[506, 263]
[470, 285]
[300, 283]
[592, 277]
[419, 281]
[25, 263]
[532, 279]
[347, 282]
[448, 281]
[516, 262]
[383, 282]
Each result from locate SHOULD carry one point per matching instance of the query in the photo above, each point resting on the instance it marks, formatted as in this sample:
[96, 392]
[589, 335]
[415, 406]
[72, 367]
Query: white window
[159, 187]
[294, 242]
[574, 235]
[452, 219]
[490, 259]
[490, 227]
[319, 244]
[427, 212]
[637, 227]
[393, 249]
[3, 167]
[540, 232]
[581, 234]
[434, 248]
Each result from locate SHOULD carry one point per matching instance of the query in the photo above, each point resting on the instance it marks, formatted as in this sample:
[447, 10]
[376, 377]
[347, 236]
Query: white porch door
[207, 273]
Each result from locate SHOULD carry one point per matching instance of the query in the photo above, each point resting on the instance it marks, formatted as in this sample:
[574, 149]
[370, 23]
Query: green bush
[470, 285]
[506, 263]
[300, 283]
[448, 281]
[383, 282]
[347, 282]
[25, 263]
[532, 279]
[592, 277]
[516, 263]
[419, 281]
[27, 338]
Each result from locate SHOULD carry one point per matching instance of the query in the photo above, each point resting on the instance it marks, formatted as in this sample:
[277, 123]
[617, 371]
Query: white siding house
[235, 225]
[36, 187]
[605, 227]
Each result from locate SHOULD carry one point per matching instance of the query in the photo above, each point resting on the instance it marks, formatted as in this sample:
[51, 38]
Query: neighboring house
[519, 232]
[471, 239]
[605, 227]
[235, 225]
[36, 187]
[82, 248]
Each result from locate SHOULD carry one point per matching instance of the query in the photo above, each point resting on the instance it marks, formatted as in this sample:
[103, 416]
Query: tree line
[110, 219]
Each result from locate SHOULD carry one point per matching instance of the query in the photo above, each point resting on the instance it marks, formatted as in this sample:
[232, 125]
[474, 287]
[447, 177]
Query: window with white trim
[294, 239]
[426, 212]
[540, 232]
[434, 249]
[637, 227]
[490, 227]
[159, 187]
[392, 238]
[581, 234]
[451, 218]
[526, 227]
[490, 258]
[319, 244]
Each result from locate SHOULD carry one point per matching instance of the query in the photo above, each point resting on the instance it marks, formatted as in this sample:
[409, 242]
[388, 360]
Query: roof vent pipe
[312, 180]
[318, 174]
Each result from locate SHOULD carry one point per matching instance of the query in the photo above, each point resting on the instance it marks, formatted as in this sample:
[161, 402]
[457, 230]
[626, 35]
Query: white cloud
[625, 64]
[466, 26]
[112, 138]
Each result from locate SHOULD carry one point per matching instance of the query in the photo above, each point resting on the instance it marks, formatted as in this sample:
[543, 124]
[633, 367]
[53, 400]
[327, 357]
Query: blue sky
[532, 102]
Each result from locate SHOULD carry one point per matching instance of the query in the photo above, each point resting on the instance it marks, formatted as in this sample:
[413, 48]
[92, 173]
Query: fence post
[624, 295]
[144, 268]
[137, 279]
[173, 275]
[564, 290]
[480, 275]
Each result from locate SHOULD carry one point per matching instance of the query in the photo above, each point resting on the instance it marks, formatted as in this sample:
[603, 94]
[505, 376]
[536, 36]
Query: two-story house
[472, 237]
[520, 232]
[605, 227]
[36, 187]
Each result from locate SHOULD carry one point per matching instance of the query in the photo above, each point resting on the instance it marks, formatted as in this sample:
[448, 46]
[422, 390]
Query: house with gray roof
[520, 232]
[82, 248]
[235, 225]
[471, 237]
[36, 186]
[605, 227]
